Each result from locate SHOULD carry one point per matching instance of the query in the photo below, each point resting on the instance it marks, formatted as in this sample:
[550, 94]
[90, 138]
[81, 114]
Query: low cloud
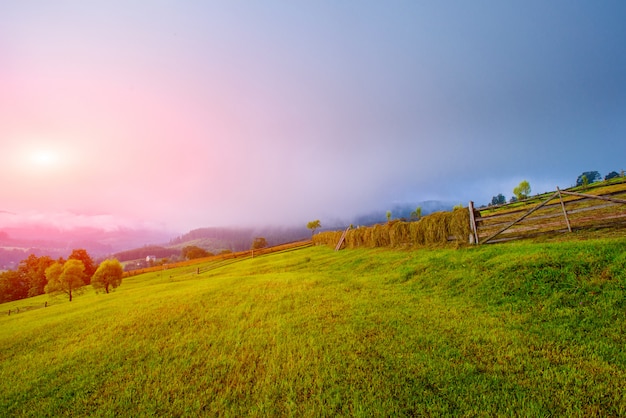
[68, 221]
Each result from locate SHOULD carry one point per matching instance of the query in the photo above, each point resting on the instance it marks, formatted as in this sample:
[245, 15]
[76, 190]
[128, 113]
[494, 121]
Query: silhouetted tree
[588, 177]
[498, 200]
[611, 175]
[417, 213]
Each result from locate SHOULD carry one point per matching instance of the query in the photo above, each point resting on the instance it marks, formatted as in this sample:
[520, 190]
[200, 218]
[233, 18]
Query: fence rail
[560, 211]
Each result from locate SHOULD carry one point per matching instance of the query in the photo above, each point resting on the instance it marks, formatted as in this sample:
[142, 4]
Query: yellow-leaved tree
[108, 276]
[522, 191]
[65, 278]
[313, 225]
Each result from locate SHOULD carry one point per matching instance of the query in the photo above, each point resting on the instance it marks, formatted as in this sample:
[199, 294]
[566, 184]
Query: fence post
[474, 235]
[569, 227]
[343, 237]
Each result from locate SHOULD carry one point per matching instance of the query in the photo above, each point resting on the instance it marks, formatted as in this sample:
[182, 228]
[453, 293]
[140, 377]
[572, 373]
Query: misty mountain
[402, 211]
[216, 239]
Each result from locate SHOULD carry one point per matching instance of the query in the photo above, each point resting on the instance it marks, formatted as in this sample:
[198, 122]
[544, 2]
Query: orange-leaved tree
[90, 267]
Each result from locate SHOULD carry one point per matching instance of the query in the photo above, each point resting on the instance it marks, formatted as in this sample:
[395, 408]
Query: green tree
[108, 275]
[417, 213]
[313, 225]
[522, 191]
[90, 265]
[191, 252]
[590, 176]
[584, 181]
[388, 216]
[611, 175]
[498, 200]
[258, 243]
[65, 278]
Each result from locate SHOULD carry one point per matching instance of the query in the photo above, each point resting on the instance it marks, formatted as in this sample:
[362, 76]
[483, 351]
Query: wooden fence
[560, 211]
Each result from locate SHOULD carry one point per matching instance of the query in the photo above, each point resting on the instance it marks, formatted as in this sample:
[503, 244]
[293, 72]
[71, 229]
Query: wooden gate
[560, 211]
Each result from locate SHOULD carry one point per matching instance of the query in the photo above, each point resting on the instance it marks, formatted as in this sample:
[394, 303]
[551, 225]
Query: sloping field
[216, 260]
[515, 329]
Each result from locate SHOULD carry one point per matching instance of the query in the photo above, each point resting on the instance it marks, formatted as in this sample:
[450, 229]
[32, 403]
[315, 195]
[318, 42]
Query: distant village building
[151, 258]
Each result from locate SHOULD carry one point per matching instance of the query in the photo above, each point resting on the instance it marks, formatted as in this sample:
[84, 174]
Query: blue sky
[184, 114]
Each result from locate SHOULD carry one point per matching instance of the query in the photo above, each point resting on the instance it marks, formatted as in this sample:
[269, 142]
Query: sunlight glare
[32, 158]
[45, 158]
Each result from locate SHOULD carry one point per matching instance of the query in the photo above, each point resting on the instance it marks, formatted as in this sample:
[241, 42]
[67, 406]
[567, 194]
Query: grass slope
[517, 329]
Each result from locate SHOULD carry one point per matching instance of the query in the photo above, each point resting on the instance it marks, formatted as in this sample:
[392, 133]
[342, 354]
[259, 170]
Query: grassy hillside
[515, 329]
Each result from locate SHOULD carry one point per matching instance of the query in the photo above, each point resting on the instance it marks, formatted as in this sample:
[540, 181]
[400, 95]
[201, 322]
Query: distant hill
[217, 239]
[17, 243]
[156, 251]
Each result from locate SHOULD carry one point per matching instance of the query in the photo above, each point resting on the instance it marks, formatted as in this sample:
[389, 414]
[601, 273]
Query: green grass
[524, 329]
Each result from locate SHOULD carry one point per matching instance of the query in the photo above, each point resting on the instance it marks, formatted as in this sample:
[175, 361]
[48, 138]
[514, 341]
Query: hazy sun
[41, 158]
[44, 158]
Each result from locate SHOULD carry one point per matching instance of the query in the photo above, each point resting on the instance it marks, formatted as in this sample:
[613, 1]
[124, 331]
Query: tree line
[589, 177]
[38, 275]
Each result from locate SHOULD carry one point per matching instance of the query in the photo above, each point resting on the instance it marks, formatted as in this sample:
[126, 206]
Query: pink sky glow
[180, 115]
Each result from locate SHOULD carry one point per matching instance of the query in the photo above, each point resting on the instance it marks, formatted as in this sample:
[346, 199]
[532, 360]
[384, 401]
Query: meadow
[517, 329]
